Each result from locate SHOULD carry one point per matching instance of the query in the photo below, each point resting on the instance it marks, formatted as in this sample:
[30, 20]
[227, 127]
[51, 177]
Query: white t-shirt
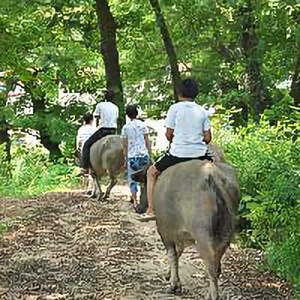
[109, 113]
[189, 120]
[84, 132]
[134, 131]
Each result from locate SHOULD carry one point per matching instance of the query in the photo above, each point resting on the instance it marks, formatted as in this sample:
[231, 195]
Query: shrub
[30, 173]
[268, 164]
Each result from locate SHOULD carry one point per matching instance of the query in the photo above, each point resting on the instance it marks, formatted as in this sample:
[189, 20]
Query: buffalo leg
[94, 194]
[223, 243]
[221, 249]
[97, 182]
[175, 287]
[207, 252]
[113, 182]
[179, 251]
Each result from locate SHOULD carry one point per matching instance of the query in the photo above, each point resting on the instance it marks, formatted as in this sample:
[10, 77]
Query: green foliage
[283, 257]
[268, 164]
[30, 173]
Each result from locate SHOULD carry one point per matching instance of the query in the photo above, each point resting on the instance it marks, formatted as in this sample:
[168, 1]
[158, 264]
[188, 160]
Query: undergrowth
[30, 173]
[268, 162]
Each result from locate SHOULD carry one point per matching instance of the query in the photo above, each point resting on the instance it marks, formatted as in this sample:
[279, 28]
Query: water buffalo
[106, 156]
[195, 203]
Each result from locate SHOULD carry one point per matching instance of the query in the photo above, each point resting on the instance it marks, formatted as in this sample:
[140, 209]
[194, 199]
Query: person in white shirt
[188, 130]
[137, 148]
[85, 131]
[108, 113]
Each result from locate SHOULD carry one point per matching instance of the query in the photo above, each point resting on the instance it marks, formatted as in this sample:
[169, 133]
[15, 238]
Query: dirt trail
[65, 246]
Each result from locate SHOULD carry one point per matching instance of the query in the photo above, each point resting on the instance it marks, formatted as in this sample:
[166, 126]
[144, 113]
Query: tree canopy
[238, 51]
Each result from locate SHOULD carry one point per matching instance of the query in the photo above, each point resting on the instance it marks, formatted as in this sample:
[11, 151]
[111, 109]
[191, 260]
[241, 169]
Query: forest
[244, 54]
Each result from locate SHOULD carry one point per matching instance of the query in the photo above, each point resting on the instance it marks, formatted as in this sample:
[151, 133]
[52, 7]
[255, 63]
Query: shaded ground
[68, 247]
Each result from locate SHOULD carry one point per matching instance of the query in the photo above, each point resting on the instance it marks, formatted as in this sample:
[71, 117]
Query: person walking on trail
[85, 131]
[108, 113]
[188, 130]
[137, 148]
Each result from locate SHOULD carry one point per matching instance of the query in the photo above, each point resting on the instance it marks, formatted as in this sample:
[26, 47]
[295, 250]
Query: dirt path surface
[65, 246]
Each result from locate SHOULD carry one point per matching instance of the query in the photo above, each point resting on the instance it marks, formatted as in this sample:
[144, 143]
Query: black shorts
[169, 160]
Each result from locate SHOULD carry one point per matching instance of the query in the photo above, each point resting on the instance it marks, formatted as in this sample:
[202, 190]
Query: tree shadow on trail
[69, 247]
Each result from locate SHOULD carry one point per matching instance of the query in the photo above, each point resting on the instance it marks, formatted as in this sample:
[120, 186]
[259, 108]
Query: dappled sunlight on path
[66, 246]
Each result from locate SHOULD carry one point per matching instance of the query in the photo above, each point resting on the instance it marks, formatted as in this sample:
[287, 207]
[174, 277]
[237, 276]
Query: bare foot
[150, 213]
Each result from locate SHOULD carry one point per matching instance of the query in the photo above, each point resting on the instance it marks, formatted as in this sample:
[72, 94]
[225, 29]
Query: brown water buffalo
[106, 156]
[195, 204]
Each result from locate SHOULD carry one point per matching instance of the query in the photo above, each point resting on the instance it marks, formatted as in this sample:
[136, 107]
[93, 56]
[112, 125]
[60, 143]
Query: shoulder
[143, 125]
[111, 104]
[125, 126]
[140, 123]
[174, 107]
[201, 108]
[80, 129]
[92, 129]
[98, 106]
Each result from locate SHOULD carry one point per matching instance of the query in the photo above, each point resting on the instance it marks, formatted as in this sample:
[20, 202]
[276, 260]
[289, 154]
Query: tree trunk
[169, 47]
[39, 108]
[295, 87]
[249, 43]
[52, 147]
[256, 89]
[4, 137]
[109, 51]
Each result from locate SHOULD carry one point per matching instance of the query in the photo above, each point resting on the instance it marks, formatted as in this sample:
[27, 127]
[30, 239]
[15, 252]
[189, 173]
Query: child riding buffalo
[188, 130]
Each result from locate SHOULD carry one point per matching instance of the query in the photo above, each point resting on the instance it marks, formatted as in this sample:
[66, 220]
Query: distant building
[157, 136]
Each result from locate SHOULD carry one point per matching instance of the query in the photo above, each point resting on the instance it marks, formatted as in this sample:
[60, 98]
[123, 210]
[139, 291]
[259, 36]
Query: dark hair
[189, 88]
[109, 95]
[131, 111]
[87, 118]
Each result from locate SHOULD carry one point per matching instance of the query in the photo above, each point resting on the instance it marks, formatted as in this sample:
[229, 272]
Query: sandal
[146, 217]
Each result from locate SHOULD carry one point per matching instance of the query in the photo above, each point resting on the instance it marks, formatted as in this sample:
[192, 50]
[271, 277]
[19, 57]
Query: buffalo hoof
[100, 197]
[168, 276]
[104, 198]
[177, 290]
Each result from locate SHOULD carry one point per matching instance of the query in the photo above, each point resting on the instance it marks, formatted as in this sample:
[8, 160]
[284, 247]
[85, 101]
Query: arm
[207, 137]
[147, 142]
[170, 123]
[206, 131]
[170, 134]
[125, 153]
[146, 137]
[118, 113]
